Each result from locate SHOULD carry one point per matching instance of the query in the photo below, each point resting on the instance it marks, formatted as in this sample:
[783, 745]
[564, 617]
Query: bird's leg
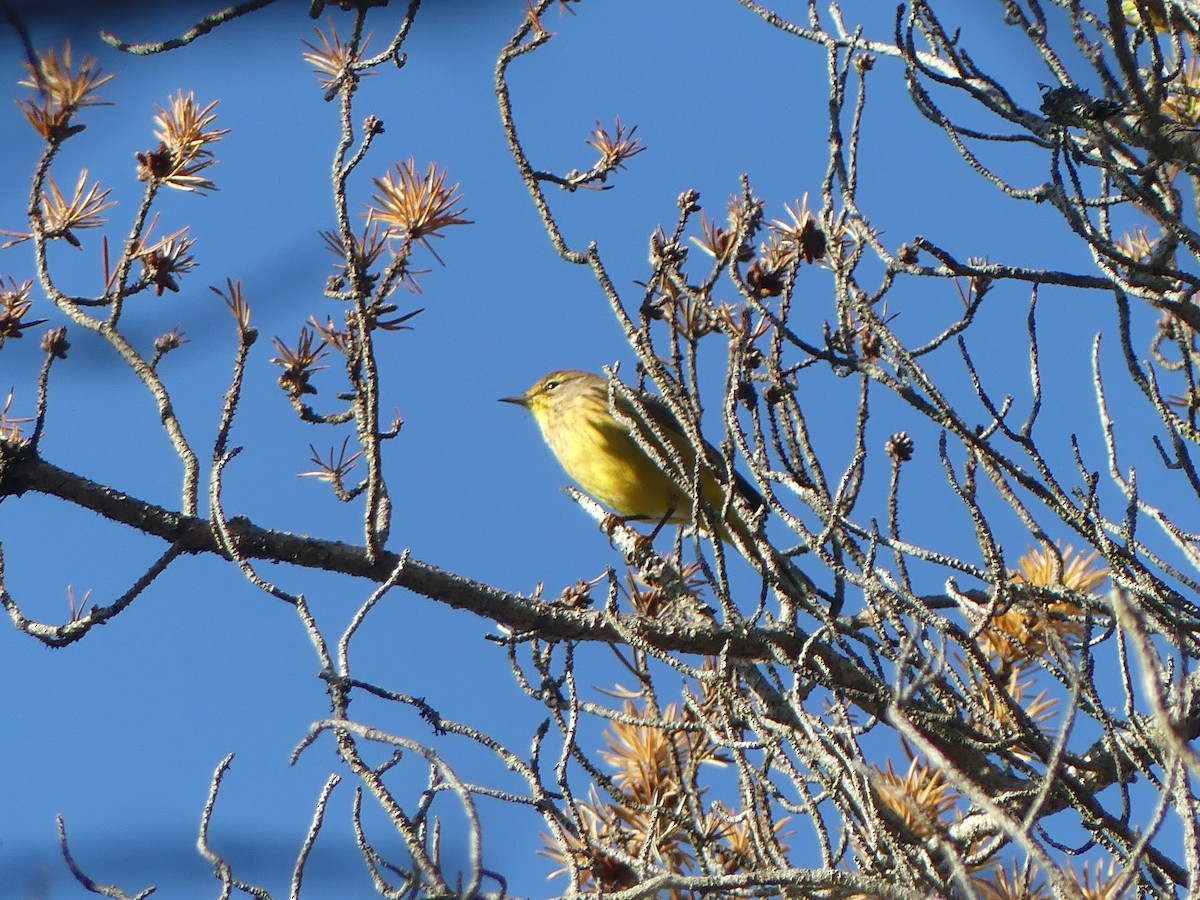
[661, 522]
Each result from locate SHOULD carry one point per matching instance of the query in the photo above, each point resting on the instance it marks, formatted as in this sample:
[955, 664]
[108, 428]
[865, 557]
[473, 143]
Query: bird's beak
[519, 401]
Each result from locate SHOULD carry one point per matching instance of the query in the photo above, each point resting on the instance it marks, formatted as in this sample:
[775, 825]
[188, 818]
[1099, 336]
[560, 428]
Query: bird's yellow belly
[609, 465]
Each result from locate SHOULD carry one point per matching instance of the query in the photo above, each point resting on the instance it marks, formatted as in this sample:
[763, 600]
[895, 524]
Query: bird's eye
[552, 385]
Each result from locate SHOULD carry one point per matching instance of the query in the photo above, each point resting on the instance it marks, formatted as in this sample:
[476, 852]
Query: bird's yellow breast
[601, 457]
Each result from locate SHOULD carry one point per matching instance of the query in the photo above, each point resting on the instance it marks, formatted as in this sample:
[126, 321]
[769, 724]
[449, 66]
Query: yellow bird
[599, 453]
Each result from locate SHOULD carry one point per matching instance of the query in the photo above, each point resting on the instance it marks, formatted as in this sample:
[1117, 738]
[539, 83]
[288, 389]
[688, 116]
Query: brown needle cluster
[62, 91]
[183, 152]
[413, 206]
[1020, 634]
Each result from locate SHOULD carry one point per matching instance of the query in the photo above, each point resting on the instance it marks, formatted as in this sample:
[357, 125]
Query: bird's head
[558, 391]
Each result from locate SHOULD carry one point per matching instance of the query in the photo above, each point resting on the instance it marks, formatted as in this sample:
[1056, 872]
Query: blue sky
[121, 732]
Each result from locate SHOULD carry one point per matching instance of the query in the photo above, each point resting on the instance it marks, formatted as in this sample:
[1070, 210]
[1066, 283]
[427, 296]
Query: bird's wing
[664, 421]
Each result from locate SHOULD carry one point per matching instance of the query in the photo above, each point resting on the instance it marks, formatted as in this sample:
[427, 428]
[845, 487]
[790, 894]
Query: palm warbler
[598, 452]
